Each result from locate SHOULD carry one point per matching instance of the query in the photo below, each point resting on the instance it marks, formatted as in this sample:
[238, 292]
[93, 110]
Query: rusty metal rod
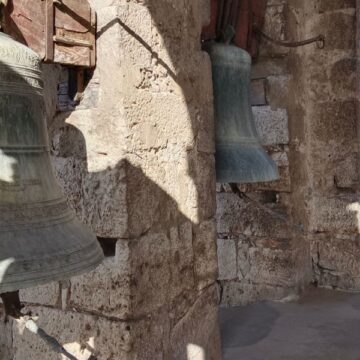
[320, 40]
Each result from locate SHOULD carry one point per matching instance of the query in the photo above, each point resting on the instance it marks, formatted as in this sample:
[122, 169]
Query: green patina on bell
[240, 157]
[40, 238]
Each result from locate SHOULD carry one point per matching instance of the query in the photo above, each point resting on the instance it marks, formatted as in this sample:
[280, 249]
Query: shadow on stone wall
[157, 294]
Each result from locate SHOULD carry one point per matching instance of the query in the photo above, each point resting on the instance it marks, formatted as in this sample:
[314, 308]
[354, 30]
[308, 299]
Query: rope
[31, 325]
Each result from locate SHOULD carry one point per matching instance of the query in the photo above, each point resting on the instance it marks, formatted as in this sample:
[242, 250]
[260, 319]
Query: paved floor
[323, 325]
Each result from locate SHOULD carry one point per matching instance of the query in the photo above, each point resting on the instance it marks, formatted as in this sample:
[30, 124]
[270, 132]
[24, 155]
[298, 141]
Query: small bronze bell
[40, 238]
[240, 157]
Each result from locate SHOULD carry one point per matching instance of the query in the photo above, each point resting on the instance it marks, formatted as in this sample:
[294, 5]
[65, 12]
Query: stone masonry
[304, 227]
[136, 161]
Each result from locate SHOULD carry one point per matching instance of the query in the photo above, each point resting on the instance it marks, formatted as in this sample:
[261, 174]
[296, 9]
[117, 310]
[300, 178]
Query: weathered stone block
[326, 161]
[182, 284]
[147, 273]
[205, 256]
[149, 206]
[277, 91]
[274, 262]
[227, 254]
[336, 261]
[82, 335]
[205, 9]
[243, 265]
[49, 294]
[272, 125]
[205, 180]
[206, 132]
[343, 77]
[274, 26]
[91, 95]
[87, 336]
[325, 5]
[236, 293]
[347, 173]
[237, 217]
[105, 290]
[135, 283]
[334, 122]
[333, 77]
[108, 216]
[196, 335]
[337, 215]
[98, 4]
[257, 92]
[265, 67]
[344, 23]
[6, 345]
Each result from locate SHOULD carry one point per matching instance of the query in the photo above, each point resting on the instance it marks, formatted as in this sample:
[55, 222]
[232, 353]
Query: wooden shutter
[60, 31]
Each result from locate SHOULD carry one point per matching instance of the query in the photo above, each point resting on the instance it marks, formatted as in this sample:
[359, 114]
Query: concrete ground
[323, 325]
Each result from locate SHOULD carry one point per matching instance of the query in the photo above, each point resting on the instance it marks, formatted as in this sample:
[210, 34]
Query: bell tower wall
[302, 229]
[136, 161]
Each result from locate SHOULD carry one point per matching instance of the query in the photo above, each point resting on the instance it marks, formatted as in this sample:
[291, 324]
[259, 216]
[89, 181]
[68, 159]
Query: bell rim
[244, 164]
[60, 272]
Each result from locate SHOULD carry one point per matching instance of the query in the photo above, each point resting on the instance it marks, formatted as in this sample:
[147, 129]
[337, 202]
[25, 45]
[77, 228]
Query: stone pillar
[136, 162]
[327, 144]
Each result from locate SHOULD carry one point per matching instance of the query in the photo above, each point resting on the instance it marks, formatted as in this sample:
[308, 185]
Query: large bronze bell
[240, 157]
[40, 238]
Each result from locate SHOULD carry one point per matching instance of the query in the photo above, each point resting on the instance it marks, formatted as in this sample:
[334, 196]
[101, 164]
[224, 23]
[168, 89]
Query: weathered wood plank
[73, 15]
[25, 21]
[49, 31]
[73, 54]
[36, 22]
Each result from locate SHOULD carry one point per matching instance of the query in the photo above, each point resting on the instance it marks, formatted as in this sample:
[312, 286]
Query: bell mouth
[244, 163]
[33, 256]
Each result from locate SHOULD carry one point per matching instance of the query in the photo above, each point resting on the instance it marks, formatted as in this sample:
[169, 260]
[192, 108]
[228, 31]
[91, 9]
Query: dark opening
[108, 246]
[70, 92]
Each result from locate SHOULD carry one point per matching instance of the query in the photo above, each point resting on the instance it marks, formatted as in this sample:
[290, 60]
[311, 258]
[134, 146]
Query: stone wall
[304, 227]
[136, 162]
[269, 256]
[330, 131]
